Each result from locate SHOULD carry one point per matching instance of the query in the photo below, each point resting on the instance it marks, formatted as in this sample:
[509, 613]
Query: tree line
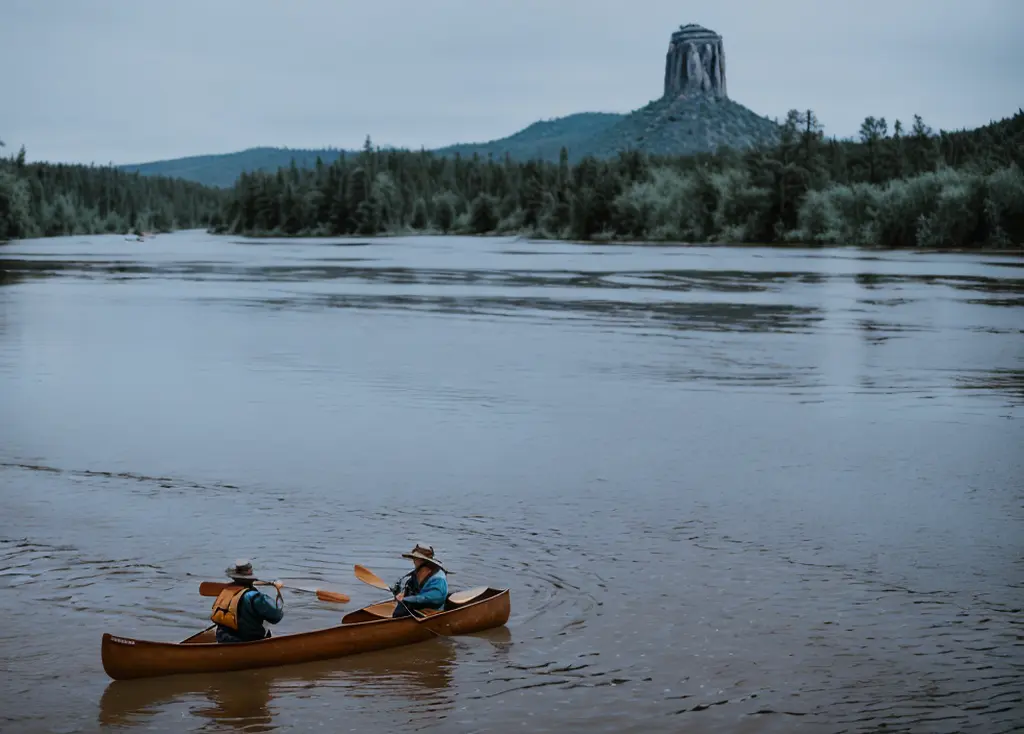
[47, 200]
[891, 187]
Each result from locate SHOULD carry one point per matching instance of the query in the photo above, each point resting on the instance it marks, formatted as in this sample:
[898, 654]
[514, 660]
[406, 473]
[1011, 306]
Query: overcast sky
[138, 80]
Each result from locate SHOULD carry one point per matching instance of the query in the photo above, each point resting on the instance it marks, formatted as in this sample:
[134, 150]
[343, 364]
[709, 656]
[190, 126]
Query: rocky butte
[695, 63]
[694, 113]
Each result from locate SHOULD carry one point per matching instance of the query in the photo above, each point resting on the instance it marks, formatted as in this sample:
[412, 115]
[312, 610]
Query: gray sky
[138, 80]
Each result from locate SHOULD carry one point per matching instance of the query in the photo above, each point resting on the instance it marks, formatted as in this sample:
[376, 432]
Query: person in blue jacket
[240, 609]
[427, 584]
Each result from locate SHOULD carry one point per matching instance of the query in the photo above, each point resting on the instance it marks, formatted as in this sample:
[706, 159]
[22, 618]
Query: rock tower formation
[695, 63]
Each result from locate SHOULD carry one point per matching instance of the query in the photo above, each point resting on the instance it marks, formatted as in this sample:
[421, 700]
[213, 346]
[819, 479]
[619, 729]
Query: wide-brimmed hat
[425, 553]
[241, 570]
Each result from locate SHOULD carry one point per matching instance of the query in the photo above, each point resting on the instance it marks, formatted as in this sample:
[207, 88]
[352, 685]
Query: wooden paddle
[460, 597]
[369, 577]
[213, 588]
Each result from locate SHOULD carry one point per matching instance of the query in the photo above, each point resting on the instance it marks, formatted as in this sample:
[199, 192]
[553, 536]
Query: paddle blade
[333, 596]
[369, 577]
[211, 588]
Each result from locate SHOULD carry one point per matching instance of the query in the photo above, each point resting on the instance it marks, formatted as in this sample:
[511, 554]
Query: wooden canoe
[364, 630]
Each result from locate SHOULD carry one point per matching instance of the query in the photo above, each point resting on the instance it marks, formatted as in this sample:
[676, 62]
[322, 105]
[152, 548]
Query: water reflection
[241, 698]
[673, 316]
[1009, 383]
[11, 276]
[419, 677]
[870, 281]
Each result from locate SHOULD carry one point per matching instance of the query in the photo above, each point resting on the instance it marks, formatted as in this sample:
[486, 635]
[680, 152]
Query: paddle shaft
[192, 637]
[369, 577]
[213, 588]
[394, 597]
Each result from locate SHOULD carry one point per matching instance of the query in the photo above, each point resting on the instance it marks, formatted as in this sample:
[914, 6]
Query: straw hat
[242, 570]
[425, 553]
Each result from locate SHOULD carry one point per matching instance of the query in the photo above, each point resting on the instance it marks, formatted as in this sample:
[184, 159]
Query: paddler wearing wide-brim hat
[240, 571]
[424, 553]
[240, 609]
[427, 585]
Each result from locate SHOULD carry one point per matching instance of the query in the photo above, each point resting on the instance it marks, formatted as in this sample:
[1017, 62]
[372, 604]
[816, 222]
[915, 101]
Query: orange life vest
[225, 606]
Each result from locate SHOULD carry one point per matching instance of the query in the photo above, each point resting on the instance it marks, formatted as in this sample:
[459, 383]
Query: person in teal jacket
[240, 610]
[427, 584]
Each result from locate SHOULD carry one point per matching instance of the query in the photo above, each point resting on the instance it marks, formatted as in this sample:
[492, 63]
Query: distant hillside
[541, 140]
[223, 169]
[696, 123]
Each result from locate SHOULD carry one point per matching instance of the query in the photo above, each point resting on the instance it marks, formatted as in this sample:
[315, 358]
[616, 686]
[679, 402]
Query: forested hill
[541, 140]
[681, 126]
[46, 200]
[224, 169]
[893, 187]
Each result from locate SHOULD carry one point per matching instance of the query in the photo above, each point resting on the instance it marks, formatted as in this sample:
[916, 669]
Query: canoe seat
[464, 597]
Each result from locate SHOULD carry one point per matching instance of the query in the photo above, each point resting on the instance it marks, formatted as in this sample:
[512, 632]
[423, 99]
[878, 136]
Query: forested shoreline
[50, 200]
[891, 188]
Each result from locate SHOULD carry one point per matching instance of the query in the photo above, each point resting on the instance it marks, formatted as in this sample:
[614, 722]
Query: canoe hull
[126, 658]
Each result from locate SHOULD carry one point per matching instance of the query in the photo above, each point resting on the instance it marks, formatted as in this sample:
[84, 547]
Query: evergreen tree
[444, 211]
[419, 215]
[483, 216]
[872, 132]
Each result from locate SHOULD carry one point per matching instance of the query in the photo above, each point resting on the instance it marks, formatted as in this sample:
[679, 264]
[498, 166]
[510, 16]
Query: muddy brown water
[730, 489]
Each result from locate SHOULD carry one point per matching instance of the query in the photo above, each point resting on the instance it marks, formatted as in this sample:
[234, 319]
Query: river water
[730, 489]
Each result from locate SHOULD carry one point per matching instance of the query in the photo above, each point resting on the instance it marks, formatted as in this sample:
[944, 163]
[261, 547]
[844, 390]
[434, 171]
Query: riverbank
[1014, 251]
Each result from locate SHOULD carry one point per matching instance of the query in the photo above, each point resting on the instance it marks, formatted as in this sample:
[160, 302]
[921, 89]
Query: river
[730, 489]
